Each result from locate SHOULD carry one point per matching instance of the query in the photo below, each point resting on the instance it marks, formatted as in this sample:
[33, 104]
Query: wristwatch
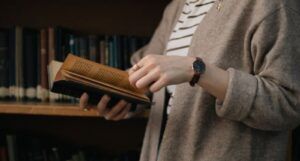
[199, 69]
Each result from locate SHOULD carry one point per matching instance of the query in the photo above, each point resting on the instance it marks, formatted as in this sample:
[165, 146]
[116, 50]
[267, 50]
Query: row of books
[29, 148]
[26, 53]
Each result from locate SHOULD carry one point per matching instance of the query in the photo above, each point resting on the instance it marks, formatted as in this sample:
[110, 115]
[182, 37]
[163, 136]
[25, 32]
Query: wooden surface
[66, 110]
[46, 109]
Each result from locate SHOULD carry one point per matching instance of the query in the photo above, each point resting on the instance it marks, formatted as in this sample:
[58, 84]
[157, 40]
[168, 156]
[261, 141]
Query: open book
[78, 75]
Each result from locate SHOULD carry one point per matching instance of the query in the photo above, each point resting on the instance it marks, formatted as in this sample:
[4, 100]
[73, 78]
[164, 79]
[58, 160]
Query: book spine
[51, 56]
[102, 48]
[44, 62]
[126, 54]
[4, 81]
[58, 40]
[19, 64]
[107, 53]
[116, 51]
[30, 50]
[11, 60]
[77, 46]
[111, 53]
[93, 48]
[83, 48]
[51, 44]
[39, 69]
[12, 147]
[66, 49]
[72, 44]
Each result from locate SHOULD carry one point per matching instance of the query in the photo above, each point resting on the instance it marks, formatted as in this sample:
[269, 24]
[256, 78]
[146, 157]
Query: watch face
[199, 66]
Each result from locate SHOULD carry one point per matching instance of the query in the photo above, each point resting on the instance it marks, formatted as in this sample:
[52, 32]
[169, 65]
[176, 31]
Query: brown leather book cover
[78, 75]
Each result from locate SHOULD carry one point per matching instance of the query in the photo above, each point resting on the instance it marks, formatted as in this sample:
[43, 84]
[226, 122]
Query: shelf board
[46, 109]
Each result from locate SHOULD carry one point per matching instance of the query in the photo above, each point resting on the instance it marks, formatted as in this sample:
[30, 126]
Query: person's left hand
[157, 71]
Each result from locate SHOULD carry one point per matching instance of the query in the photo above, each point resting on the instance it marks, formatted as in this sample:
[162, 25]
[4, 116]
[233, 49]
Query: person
[235, 67]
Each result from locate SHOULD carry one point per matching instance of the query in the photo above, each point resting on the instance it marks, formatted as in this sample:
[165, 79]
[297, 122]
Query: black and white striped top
[193, 13]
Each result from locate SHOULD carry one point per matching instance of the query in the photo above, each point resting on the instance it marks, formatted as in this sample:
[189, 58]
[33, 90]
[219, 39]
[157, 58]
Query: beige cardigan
[258, 42]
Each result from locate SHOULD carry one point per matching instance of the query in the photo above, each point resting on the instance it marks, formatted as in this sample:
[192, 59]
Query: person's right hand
[119, 112]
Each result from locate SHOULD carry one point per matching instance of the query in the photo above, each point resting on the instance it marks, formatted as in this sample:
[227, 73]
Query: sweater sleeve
[159, 39]
[268, 99]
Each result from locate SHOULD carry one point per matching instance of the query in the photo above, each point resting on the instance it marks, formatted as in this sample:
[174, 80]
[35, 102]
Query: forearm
[215, 81]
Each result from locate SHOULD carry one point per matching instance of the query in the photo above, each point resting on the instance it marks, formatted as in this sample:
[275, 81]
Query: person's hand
[119, 112]
[157, 71]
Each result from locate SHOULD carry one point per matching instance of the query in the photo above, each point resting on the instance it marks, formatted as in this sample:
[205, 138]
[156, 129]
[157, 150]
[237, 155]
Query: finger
[116, 109]
[158, 85]
[148, 79]
[148, 58]
[135, 76]
[83, 102]
[102, 105]
[133, 69]
[123, 113]
[136, 67]
[130, 71]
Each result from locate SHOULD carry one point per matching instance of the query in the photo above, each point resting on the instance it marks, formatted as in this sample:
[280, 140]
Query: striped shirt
[179, 42]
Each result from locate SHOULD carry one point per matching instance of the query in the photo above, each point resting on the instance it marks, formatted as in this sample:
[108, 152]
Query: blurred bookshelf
[62, 126]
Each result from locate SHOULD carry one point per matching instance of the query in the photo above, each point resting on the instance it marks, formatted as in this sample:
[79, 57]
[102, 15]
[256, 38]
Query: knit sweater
[258, 43]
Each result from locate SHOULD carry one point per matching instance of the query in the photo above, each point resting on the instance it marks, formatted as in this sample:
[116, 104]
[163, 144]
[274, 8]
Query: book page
[99, 72]
[104, 86]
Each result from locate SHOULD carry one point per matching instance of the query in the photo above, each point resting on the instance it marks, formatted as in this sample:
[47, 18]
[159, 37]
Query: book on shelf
[4, 53]
[78, 75]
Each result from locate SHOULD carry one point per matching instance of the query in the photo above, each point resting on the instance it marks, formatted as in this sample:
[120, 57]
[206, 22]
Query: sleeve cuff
[240, 94]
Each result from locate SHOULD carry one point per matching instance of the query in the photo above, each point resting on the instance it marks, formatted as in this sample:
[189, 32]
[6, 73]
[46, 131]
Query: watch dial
[199, 66]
